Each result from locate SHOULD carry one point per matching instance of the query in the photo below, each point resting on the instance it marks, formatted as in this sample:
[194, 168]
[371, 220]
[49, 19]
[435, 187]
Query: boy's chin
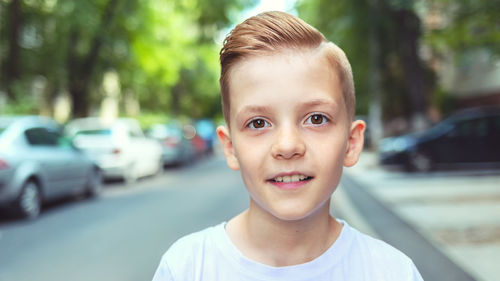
[294, 213]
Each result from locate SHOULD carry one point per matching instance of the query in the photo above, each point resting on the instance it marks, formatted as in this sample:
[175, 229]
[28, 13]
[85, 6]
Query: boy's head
[273, 32]
[289, 100]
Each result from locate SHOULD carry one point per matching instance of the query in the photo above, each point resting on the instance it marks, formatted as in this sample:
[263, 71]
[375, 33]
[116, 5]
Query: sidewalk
[457, 212]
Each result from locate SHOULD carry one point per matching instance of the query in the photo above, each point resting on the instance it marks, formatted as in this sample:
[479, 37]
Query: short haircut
[272, 32]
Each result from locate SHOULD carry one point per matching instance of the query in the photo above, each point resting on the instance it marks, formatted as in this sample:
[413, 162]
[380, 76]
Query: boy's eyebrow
[241, 114]
[318, 102]
[265, 109]
[254, 109]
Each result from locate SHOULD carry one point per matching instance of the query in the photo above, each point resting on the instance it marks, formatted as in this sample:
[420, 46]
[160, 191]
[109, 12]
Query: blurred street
[122, 234]
[447, 222]
[118, 90]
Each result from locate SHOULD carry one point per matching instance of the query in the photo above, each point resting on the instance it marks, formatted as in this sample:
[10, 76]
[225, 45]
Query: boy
[288, 100]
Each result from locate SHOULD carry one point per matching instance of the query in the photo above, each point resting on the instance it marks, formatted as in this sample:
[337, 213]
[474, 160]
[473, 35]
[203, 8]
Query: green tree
[381, 39]
[179, 55]
[10, 35]
[461, 26]
[160, 49]
[62, 42]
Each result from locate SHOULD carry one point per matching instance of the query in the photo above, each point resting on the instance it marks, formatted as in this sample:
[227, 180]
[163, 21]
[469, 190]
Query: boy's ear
[227, 147]
[355, 143]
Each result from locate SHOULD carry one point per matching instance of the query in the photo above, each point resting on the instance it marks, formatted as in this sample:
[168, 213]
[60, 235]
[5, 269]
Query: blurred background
[117, 101]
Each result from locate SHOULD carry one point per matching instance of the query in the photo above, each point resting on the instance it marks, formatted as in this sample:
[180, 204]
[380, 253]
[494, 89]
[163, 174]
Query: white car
[119, 147]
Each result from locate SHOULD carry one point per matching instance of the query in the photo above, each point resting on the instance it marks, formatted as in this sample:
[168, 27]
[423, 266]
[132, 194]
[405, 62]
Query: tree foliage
[163, 51]
[464, 25]
[378, 36]
[407, 36]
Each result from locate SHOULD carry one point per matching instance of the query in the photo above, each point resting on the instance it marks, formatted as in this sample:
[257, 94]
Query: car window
[465, 128]
[495, 125]
[134, 133]
[135, 130]
[102, 132]
[41, 137]
[439, 128]
[472, 128]
[482, 128]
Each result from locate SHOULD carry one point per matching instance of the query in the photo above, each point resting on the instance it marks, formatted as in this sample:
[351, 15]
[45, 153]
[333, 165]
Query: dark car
[469, 138]
[177, 148]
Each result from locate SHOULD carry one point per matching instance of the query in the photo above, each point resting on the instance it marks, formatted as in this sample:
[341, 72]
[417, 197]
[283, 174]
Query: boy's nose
[288, 144]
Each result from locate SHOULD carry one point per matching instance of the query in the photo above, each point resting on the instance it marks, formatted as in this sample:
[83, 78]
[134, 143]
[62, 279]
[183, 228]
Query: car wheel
[420, 162]
[94, 183]
[130, 176]
[29, 203]
[160, 168]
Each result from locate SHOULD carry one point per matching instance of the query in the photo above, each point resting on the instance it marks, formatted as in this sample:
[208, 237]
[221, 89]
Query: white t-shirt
[210, 255]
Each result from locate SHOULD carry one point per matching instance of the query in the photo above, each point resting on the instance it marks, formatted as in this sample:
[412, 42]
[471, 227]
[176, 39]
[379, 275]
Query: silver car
[38, 164]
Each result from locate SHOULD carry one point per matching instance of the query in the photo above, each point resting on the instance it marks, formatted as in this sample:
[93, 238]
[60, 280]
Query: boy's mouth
[291, 178]
[290, 181]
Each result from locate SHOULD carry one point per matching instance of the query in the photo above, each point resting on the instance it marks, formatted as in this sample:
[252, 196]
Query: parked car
[177, 149]
[471, 137]
[205, 128]
[38, 164]
[119, 147]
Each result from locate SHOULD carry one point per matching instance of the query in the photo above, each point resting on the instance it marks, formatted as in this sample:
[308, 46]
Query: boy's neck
[266, 239]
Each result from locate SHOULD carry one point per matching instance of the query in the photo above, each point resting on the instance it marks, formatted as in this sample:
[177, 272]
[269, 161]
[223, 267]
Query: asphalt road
[121, 235]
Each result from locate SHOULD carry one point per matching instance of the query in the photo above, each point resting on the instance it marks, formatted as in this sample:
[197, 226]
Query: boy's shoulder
[193, 242]
[377, 255]
[375, 246]
[192, 255]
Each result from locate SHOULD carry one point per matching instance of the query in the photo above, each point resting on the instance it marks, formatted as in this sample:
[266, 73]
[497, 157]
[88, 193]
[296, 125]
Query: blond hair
[272, 32]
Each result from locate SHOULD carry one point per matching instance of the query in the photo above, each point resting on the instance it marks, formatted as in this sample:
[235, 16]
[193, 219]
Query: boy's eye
[317, 119]
[258, 124]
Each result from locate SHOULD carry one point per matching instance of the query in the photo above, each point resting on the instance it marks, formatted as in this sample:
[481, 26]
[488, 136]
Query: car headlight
[402, 144]
[396, 144]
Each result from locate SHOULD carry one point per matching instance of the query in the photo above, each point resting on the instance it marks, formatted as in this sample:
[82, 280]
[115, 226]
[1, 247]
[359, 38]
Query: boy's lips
[291, 180]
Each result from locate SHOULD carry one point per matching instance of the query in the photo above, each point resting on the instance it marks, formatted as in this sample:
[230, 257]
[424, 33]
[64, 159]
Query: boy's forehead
[257, 67]
[286, 55]
[259, 81]
[281, 66]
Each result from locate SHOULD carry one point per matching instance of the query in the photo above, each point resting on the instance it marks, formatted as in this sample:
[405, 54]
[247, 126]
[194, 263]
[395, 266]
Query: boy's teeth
[293, 178]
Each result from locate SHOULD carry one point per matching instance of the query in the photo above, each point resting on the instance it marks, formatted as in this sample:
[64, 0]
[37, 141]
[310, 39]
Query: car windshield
[441, 127]
[101, 132]
[5, 122]
[164, 131]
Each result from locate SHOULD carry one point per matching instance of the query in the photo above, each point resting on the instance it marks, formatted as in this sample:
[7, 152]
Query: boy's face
[290, 134]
